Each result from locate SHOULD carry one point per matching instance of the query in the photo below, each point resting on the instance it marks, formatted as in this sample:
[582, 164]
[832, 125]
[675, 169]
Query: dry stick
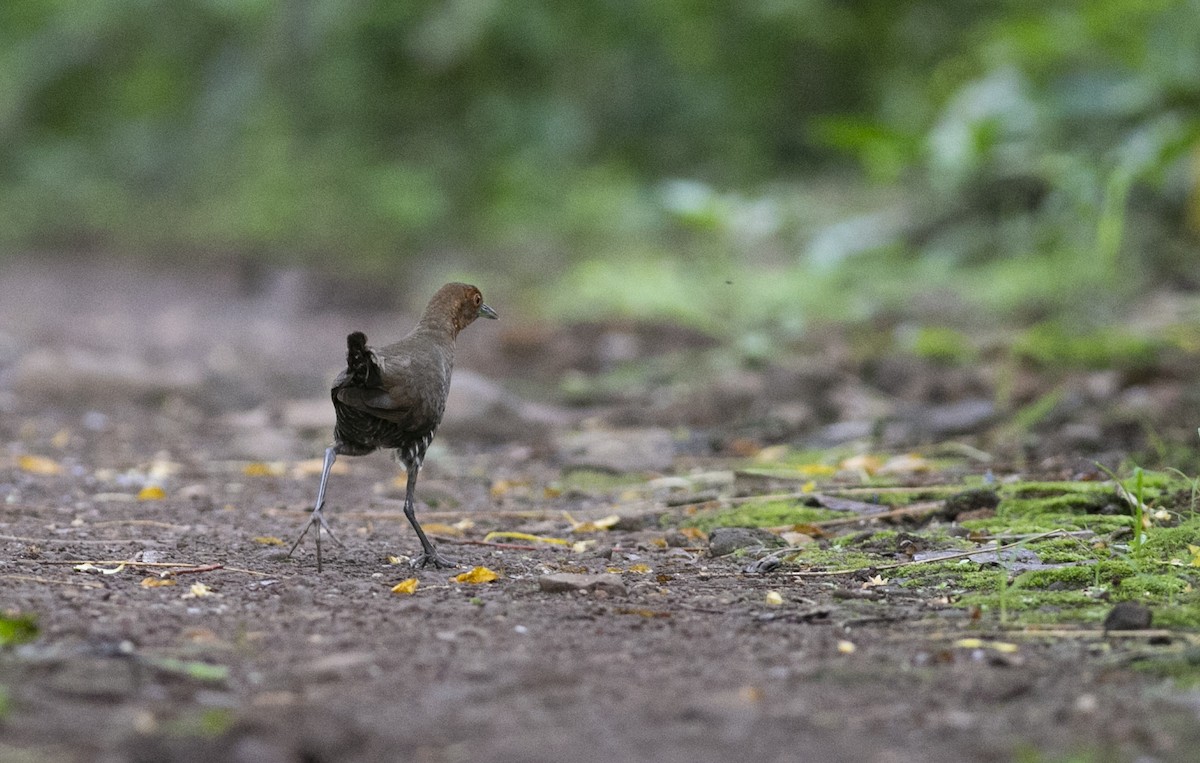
[77, 541]
[909, 563]
[40, 579]
[187, 566]
[190, 570]
[145, 522]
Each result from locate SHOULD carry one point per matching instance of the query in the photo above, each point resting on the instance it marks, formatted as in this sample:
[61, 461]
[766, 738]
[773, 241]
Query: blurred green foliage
[360, 131]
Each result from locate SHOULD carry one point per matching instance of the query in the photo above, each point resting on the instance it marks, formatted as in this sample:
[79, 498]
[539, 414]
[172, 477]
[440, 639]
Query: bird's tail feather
[360, 361]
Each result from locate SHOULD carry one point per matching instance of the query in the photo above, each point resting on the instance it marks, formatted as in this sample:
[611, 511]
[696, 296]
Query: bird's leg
[318, 518]
[429, 554]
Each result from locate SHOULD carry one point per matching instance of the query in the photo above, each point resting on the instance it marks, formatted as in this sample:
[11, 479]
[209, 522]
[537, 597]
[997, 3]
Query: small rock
[566, 582]
[481, 410]
[962, 417]
[1128, 616]
[726, 540]
[76, 373]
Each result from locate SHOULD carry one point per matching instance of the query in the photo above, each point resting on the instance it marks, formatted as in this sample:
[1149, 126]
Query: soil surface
[168, 418]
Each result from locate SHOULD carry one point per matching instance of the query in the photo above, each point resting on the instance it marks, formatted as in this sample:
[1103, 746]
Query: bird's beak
[487, 312]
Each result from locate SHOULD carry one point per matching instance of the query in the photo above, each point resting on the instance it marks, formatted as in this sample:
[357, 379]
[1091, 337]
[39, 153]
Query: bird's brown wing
[399, 405]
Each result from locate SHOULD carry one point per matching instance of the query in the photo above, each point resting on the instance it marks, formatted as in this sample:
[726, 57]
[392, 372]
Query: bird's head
[461, 304]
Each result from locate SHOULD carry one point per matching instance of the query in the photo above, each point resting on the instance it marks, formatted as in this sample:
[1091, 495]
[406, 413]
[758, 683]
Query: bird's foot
[432, 557]
[317, 518]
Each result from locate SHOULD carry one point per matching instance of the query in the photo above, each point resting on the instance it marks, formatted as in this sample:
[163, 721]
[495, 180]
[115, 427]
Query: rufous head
[460, 304]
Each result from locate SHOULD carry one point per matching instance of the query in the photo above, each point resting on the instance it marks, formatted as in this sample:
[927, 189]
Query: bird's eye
[478, 298]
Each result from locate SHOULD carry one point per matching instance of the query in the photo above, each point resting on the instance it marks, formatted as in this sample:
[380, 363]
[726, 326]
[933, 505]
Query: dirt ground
[174, 418]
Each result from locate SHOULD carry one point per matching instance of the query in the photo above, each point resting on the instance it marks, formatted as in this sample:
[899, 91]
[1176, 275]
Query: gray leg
[429, 554]
[317, 518]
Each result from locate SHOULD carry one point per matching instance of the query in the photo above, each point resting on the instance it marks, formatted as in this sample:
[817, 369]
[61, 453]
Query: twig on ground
[40, 579]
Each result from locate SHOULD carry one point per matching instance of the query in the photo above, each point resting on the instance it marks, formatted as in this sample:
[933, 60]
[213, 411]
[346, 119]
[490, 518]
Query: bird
[394, 397]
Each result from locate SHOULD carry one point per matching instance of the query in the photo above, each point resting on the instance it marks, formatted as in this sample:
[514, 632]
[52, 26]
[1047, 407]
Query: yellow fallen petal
[260, 469]
[268, 540]
[477, 575]
[151, 493]
[969, 643]
[846, 647]
[199, 589]
[580, 546]
[407, 586]
[639, 568]
[774, 599]
[153, 582]
[395, 560]
[38, 465]
[524, 536]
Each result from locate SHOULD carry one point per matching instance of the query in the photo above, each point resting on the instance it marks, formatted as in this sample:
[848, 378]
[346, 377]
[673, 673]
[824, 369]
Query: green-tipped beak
[487, 312]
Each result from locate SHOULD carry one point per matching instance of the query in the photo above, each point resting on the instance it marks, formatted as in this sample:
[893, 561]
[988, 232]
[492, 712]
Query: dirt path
[674, 656]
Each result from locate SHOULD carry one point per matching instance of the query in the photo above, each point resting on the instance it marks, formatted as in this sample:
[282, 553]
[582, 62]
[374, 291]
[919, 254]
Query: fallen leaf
[38, 465]
[862, 463]
[89, 567]
[796, 539]
[816, 470]
[640, 568]
[268, 540]
[441, 528]
[501, 488]
[525, 536]
[477, 575]
[905, 464]
[773, 599]
[153, 582]
[151, 493]
[771, 454]
[874, 581]
[261, 469]
[312, 467]
[407, 586]
[594, 525]
[1003, 647]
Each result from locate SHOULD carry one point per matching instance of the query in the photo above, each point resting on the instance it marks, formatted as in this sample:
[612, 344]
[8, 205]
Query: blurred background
[927, 170]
